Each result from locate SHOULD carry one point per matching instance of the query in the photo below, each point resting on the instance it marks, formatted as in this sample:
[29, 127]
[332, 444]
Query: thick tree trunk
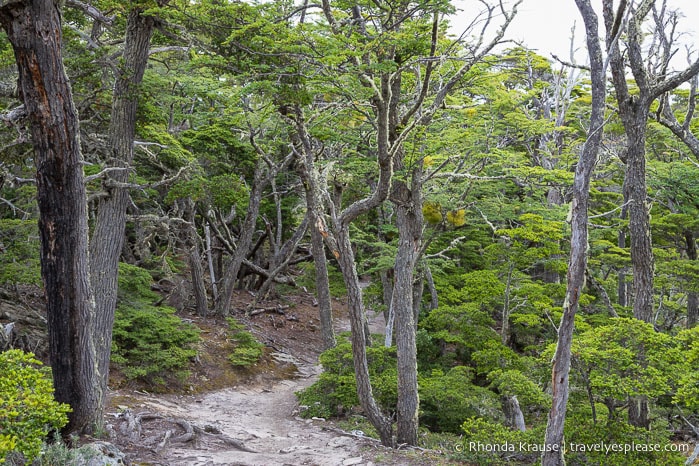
[639, 217]
[108, 235]
[553, 454]
[409, 221]
[34, 30]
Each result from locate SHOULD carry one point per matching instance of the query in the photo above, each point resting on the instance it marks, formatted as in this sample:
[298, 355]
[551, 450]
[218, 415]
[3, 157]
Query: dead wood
[275, 309]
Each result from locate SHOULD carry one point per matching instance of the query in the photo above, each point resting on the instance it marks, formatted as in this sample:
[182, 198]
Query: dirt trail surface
[264, 419]
[251, 423]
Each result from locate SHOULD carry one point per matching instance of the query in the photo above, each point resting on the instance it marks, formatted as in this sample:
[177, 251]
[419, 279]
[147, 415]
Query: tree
[577, 262]
[34, 30]
[108, 235]
[652, 81]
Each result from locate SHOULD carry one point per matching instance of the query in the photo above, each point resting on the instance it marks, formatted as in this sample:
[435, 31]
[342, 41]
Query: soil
[225, 416]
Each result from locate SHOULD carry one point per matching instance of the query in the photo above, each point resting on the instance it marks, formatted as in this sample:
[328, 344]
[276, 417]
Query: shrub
[28, 410]
[247, 349]
[489, 442]
[149, 342]
[446, 399]
[335, 392]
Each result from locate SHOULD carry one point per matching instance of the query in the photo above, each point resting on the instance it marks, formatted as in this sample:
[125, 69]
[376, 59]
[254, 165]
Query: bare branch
[91, 11]
[103, 173]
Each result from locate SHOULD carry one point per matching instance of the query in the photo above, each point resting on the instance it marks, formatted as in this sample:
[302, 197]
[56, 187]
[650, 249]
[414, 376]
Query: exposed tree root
[131, 426]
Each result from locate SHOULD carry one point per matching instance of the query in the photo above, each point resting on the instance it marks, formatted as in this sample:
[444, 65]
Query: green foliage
[335, 392]
[247, 349]
[489, 442]
[580, 430]
[28, 410]
[150, 342]
[627, 358]
[19, 252]
[686, 370]
[465, 328]
[446, 399]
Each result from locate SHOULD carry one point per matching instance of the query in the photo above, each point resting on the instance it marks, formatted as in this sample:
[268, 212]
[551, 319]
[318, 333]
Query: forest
[527, 225]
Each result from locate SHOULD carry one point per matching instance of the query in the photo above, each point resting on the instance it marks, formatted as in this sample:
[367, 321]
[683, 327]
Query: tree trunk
[553, 454]
[407, 200]
[692, 296]
[513, 413]
[34, 30]
[314, 187]
[345, 257]
[639, 218]
[230, 274]
[108, 235]
[210, 261]
[191, 242]
[434, 297]
[322, 282]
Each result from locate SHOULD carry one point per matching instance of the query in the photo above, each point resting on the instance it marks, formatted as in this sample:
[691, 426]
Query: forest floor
[229, 417]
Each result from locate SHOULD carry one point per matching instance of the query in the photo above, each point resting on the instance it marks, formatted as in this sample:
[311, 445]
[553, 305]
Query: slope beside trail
[216, 427]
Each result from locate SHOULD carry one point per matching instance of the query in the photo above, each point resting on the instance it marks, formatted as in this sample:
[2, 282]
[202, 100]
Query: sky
[545, 25]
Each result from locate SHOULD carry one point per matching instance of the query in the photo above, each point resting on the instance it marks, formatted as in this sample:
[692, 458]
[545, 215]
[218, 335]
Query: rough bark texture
[634, 110]
[513, 413]
[577, 262]
[108, 235]
[34, 30]
[409, 222]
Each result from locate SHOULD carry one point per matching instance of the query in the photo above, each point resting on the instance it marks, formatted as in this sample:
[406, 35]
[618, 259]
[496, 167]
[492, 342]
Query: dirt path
[265, 420]
[264, 417]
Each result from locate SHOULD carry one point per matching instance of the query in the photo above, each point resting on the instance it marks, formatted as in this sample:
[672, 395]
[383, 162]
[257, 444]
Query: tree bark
[345, 257]
[34, 30]
[191, 242]
[108, 235]
[314, 205]
[634, 110]
[577, 262]
[692, 296]
[409, 221]
[230, 274]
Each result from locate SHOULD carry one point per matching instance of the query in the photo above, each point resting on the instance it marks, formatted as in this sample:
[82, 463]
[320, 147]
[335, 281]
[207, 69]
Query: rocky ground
[253, 419]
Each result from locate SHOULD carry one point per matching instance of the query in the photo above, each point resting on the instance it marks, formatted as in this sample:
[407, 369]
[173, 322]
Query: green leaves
[28, 410]
[627, 358]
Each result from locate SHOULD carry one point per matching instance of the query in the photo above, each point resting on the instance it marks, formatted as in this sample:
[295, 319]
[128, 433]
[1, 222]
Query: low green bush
[28, 410]
[150, 342]
[446, 399]
[248, 350]
[335, 392]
